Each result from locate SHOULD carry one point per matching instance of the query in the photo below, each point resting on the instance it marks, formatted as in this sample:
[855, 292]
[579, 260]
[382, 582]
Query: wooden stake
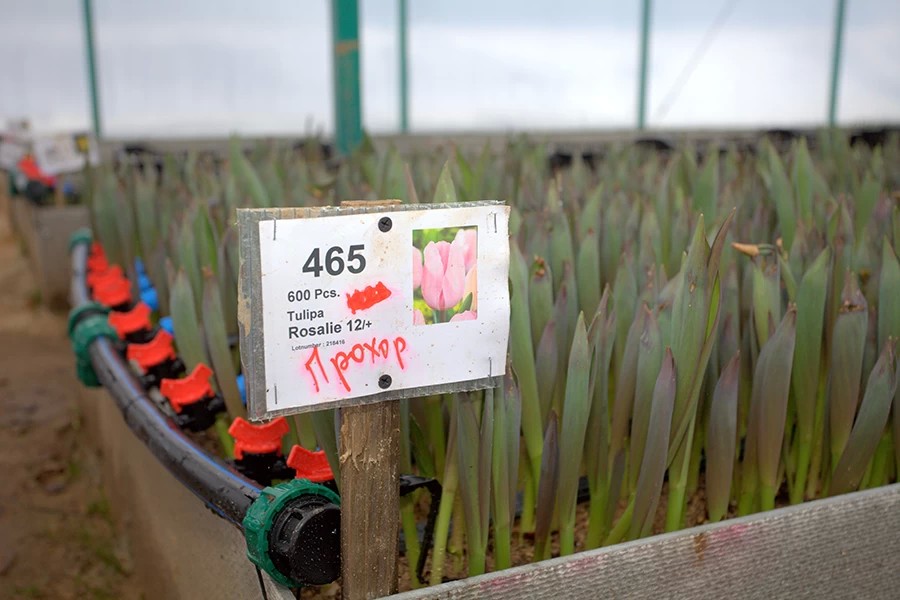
[370, 491]
[59, 198]
[370, 499]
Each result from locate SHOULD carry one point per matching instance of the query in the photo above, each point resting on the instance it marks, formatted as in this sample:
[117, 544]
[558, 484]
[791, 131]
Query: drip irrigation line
[409, 484]
[262, 584]
[694, 61]
[222, 489]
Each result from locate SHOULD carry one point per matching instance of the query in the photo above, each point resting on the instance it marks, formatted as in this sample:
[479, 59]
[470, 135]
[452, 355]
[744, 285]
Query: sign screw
[385, 224]
[384, 382]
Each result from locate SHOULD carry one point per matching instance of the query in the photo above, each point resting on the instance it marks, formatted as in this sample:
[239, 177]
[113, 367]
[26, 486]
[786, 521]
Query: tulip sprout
[711, 324]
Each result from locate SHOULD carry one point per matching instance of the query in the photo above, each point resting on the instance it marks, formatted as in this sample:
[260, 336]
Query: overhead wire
[693, 62]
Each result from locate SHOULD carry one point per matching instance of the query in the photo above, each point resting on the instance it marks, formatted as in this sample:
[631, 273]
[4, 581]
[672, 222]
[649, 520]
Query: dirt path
[56, 534]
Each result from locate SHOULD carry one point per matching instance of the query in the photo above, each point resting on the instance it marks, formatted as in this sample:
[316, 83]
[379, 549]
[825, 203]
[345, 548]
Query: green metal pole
[836, 60]
[404, 73]
[644, 58]
[92, 66]
[347, 97]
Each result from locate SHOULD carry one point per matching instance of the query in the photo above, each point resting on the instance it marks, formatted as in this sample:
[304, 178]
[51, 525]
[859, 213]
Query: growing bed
[697, 334]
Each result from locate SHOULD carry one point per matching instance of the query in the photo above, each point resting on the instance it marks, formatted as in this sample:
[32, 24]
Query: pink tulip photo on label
[445, 272]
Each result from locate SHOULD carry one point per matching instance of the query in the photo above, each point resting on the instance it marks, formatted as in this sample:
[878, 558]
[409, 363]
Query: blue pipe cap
[144, 283]
[166, 323]
[242, 388]
[150, 298]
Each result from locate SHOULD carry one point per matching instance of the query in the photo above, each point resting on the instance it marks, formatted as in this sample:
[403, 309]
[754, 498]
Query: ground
[57, 539]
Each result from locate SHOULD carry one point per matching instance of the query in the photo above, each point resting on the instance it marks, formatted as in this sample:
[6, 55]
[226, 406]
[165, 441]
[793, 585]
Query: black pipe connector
[263, 468]
[141, 336]
[201, 415]
[168, 369]
[305, 540]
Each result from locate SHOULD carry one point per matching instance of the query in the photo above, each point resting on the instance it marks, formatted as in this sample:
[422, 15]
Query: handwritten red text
[338, 364]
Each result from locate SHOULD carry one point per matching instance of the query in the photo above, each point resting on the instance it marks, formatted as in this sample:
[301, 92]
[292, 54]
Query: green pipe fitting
[87, 323]
[293, 533]
[80, 236]
[81, 312]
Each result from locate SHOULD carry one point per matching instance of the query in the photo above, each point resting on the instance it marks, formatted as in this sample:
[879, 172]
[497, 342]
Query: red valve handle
[97, 263]
[100, 276]
[189, 389]
[155, 352]
[264, 438]
[113, 292]
[130, 321]
[310, 465]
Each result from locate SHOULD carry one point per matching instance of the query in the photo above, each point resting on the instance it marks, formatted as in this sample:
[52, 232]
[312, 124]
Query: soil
[57, 538]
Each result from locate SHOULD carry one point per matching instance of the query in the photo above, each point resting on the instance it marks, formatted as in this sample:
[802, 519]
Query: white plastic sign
[64, 153]
[14, 143]
[360, 305]
[11, 152]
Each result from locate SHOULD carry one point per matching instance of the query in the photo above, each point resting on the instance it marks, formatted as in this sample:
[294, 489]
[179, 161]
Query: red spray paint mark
[731, 534]
[370, 296]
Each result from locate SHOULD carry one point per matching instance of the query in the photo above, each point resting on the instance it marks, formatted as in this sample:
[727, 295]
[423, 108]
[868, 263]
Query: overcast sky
[200, 67]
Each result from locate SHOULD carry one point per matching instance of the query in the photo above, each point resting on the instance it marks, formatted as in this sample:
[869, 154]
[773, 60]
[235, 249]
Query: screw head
[384, 382]
[385, 224]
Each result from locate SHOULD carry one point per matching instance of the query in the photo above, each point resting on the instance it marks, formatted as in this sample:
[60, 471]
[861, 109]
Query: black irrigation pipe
[225, 491]
[292, 533]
